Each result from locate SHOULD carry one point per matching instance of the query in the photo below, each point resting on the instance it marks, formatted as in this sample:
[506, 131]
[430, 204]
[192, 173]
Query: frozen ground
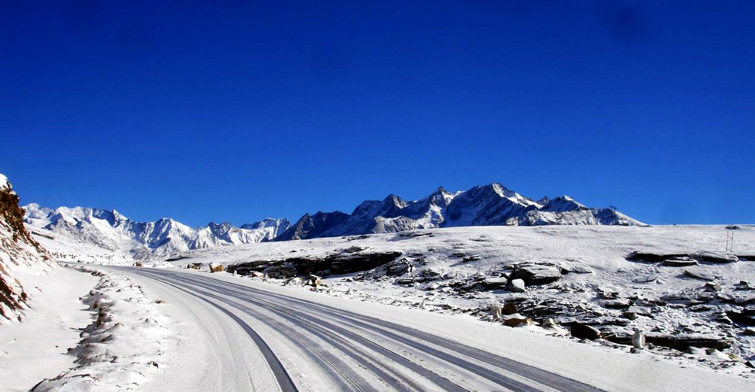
[448, 283]
[84, 332]
[123, 345]
[329, 343]
[465, 270]
[36, 348]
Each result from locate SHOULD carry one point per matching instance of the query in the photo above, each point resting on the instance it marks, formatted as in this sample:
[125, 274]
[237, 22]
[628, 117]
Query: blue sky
[234, 111]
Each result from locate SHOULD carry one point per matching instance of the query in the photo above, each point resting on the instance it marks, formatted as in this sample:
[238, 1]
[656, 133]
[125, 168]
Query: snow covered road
[267, 337]
[326, 348]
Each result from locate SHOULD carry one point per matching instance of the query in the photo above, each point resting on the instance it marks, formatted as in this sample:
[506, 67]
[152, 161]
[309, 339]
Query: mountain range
[486, 205]
[113, 231]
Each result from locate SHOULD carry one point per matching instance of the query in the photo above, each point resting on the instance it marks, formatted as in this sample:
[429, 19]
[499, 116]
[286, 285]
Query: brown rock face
[12, 295]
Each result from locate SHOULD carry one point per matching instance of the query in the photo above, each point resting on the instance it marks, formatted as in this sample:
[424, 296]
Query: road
[311, 346]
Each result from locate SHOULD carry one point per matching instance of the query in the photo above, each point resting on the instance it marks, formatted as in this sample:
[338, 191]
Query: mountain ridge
[484, 205]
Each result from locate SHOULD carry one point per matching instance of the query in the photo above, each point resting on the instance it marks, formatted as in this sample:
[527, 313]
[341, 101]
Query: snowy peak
[5, 185]
[484, 205]
[562, 204]
[279, 224]
[108, 229]
[491, 204]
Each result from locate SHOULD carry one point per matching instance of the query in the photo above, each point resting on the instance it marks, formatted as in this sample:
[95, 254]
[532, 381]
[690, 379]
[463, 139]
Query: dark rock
[355, 249]
[684, 342]
[494, 283]
[510, 308]
[534, 274]
[744, 317]
[677, 342]
[398, 267]
[622, 303]
[683, 261]
[584, 331]
[346, 263]
[648, 257]
[314, 280]
[339, 263]
[701, 308]
[469, 258]
[715, 257]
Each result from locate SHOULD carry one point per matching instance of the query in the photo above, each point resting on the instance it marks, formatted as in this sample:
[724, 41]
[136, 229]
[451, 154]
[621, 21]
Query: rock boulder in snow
[534, 274]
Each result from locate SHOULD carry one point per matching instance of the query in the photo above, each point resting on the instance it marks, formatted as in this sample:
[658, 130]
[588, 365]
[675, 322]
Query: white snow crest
[5, 184]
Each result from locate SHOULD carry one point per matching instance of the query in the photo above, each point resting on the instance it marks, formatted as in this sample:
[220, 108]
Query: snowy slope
[111, 231]
[466, 270]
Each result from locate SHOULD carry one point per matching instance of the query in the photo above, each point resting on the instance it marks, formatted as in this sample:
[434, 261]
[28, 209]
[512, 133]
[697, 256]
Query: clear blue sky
[234, 110]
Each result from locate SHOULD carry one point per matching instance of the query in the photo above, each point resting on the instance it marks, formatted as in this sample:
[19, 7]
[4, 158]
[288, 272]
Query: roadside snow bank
[36, 348]
[123, 347]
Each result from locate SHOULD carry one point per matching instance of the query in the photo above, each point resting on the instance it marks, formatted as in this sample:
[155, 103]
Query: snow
[119, 235]
[599, 250]
[179, 334]
[124, 346]
[4, 183]
[602, 366]
[36, 348]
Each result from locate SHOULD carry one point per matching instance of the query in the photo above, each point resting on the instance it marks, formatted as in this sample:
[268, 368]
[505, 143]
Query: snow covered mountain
[113, 231]
[487, 205]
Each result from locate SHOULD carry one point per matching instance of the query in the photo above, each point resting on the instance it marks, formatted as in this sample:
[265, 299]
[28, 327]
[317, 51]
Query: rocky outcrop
[681, 260]
[16, 247]
[342, 262]
[535, 274]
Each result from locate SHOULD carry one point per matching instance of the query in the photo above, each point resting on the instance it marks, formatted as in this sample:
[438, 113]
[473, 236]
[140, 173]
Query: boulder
[469, 258]
[216, 267]
[284, 271]
[516, 320]
[494, 283]
[621, 303]
[495, 310]
[553, 327]
[699, 274]
[510, 308]
[516, 286]
[398, 267]
[314, 280]
[534, 274]
[584, 331]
